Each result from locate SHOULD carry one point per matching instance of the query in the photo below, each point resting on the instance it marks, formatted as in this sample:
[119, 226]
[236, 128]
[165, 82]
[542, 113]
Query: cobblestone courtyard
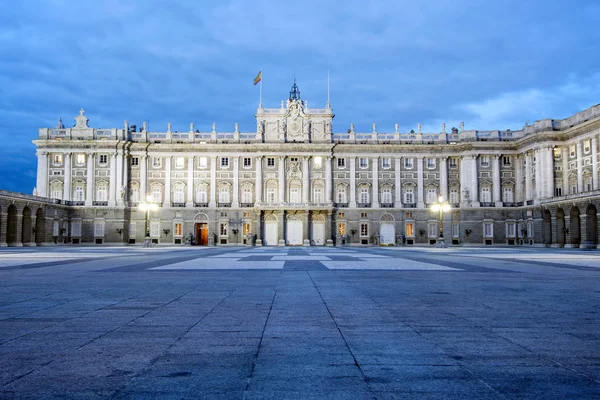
[299, 323]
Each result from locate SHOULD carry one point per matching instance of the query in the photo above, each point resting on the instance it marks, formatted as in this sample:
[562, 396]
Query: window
[55, 228]
[156, 162]
[341, 194]
[223, 228]
[342, 229]
[364, 195]
[431, 195]
[201, 195]
[224, 194]
[317, 195]
[364, 229]
[99, 228]
[431, 163]
[408, 163]
[558, 191]
[386, 195]
[78, 193]
[506, 161]
[341, 162]
[132, 229]
[409, 228]
[409, 215]
[511, 229]
[452, 162]
[135, 194]
[433, 230]
[101, 193]
[179, 162]
[178, 229]
[318, 162]
[80, 159]
[294, 195]
[486, 194]
[341, 215]
[247, 162]
[488, 229]
[135, 161]
[529, 229]
[270, 162]
[409, 196]
[572, 150]
[364, 215]
[557, 153]
[202, 162]
[386, 163]
[294, 159]
[485, 161]
[247, 194]
[224, 162]
[507, 194]
[178, 196]
[76, 228]
[103, 160]
[573, 189]
[155, 229]
[453, 196]
[271, 195]
[157, 194]
[586, 145]
[246, 228]
[223, 214]
[455, 230]
[57, 159]
[363, 163]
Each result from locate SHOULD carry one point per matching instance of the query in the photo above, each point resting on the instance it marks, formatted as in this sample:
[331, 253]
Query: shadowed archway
[11, 225]
[575, 227]
[26, 226]
[560, 227]
[591, 225]
[40, 226]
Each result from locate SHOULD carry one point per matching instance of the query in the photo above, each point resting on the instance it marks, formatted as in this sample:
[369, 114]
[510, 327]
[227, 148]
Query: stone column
[375, 171]
[444, 177]
[538, 174]
[528, 166]
[190, 183]
[397, 184]
[474, 179]
[565, 170]
[554, 229]
[594, 144]
[213, 182]
[89, 182]
[236, 182]
[420, 183]
[112, 188]
[305, 181]
[125, 181]
[352, 182]
[258, 232]
[518, 178]
[579, 155]
[42, 174]
[550, 172]
[167, 202]
[258, 180]
[281, 177]
[282, 225]
[328, 180]
[19, 239]
[496, 195]
[68, 180]
[328, 235]
[119, 175]
[306, 225]
[4, 225]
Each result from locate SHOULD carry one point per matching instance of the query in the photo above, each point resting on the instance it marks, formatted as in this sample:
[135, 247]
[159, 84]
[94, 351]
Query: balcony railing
[177, 204]
[200, 204]
[224, 205]
[364, 205]
[487, 204]
[386, 205]
[246, 205]
[410, 205]
[341, 205]
[78, 203]
[100, 203]
[455, 205]
[512, 204]
[529, 202]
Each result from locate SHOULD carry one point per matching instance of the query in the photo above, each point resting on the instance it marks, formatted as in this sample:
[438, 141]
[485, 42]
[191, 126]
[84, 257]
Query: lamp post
[148, 205]
[441, 206]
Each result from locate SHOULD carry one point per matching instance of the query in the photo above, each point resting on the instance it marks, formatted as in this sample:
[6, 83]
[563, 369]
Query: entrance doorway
[294, 233]
[318, 233]
[201, 233]
[387, 234]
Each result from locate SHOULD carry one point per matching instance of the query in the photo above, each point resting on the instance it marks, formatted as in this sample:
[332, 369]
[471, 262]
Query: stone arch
[591, 225]
[26, 226]
[318, 218]
[40, 226]
[575, 228]
[547, 227]
[560, 227]
[200, 217]
[11, 225]
[271, 186]
[387, 218]
[271, 218]
[56, 189]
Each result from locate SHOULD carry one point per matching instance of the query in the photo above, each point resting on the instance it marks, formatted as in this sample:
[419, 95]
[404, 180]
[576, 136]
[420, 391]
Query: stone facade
[294, 182]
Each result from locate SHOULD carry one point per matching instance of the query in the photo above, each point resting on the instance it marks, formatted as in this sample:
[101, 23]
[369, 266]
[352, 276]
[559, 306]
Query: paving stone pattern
[299, 323]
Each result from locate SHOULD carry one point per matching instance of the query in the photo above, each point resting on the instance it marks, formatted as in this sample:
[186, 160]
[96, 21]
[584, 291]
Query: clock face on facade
[295, 128]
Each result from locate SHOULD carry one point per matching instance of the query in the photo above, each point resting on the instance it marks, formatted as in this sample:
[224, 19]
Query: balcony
[455, 205]
[364, 205]
[133, 204]
[224, 205]
[512, 204]
[177, 204]
[78, 203]
[246, 205]
[341, 205]
[487, 204]
[410, 205]
[386, 205]
[200, 204]
[100, 203]
[529, 202]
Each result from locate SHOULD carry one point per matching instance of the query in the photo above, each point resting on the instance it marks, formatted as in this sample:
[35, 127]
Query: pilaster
[281, 177]
[258, 180]
[282, 225]
[375, 171]
[112, 188]
[213, 182]
[305, 180]
[420, 183]
[579, 155]
[89, 184]
[236, 183]
[68, 180]
[595, 185]
[397, 184]
[352, 182]
[496, 196]
[190, 183]
[444, 177]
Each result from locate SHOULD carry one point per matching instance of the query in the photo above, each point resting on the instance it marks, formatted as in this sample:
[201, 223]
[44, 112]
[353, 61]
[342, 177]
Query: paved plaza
[299, 323]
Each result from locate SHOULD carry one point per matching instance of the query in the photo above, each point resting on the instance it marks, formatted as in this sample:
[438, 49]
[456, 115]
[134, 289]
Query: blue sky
[493, 65]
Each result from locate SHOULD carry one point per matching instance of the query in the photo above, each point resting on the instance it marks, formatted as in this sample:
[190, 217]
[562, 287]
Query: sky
[493, 65]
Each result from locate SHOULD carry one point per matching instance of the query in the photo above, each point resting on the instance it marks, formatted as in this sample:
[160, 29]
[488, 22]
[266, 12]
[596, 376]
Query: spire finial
[295, 92]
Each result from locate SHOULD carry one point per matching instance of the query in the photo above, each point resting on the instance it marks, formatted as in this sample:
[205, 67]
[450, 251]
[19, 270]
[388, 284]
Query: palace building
[293, 181]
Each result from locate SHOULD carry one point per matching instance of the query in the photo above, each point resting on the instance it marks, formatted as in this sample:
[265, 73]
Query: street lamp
[148, 205]
[441, 206]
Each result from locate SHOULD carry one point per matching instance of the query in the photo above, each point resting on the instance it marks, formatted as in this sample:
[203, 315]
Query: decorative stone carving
[81, 121]
[59, 124]
[294, 170]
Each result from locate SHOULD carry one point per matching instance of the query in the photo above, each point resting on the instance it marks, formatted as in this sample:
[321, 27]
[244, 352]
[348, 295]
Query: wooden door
[202, 234]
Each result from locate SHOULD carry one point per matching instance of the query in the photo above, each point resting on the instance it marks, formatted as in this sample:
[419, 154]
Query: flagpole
[328, 104]
[260, 99]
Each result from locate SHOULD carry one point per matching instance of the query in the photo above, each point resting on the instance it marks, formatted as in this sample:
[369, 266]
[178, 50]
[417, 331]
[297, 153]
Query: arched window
[134, 194]
[340, 195]
[485, 195]
[364, 194]
[453, 196]
[432, 195]
[224, 196]
[409, 195]
[295, 192]
[317, 196]
[157, 194]
[247, 194]
[178, 194]
[507, 194]
[102, 192]
[272, 191]
[56, 190]
[78, 193]
[386, 195]
[202, 194]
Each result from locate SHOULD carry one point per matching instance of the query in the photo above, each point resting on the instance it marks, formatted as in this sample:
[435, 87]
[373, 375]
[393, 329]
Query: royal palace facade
[292, 181]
